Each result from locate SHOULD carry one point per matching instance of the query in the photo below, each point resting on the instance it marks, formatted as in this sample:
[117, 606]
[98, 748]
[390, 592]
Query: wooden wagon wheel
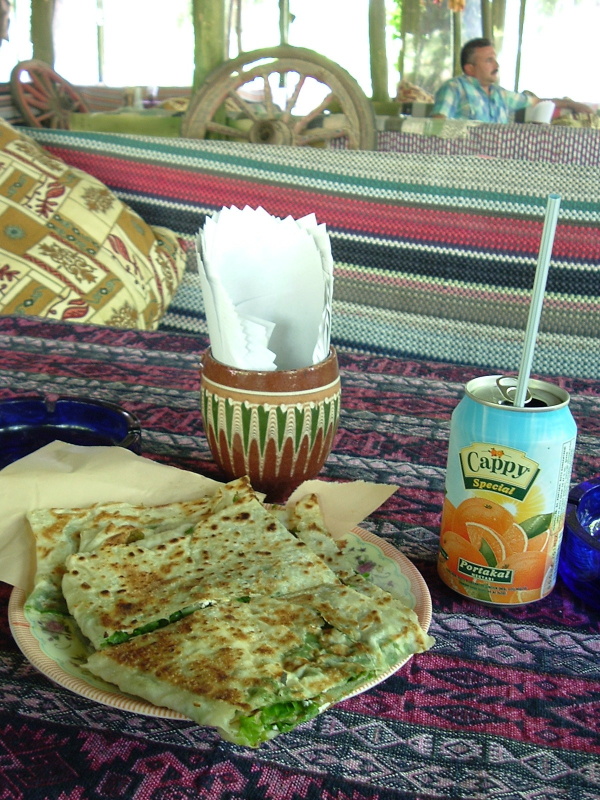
[304, 99]
[44, 99]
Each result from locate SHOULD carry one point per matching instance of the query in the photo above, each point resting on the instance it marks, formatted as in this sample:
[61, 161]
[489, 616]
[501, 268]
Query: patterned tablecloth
[505, 706]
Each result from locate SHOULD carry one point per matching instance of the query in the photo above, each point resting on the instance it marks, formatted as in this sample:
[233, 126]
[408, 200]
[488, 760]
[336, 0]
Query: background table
[506, 705]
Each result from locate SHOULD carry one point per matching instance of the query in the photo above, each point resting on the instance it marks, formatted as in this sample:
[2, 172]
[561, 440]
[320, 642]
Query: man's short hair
[466, 54]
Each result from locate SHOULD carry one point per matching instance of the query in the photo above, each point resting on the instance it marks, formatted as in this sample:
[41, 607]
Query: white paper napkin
[268, 287]
[541, 112]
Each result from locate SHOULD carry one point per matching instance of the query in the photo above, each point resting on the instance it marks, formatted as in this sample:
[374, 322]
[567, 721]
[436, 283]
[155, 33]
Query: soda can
[507, 484]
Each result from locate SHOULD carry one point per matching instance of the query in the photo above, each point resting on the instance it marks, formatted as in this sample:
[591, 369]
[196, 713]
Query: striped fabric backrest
[435, 255]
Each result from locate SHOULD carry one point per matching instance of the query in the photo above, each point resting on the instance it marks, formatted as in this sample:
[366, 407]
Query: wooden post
[377, 49]
[42, 15]
[209, 37]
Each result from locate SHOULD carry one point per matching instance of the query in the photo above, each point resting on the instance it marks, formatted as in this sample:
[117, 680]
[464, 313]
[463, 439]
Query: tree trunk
[284, 21]
[456, 42]
[410, 28]
[42, 15]
[499, 19]
[377, 49]
[486, 20]
[209, 37]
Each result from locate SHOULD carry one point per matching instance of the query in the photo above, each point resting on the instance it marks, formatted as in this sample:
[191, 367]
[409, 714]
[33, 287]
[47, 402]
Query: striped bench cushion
[435, 255]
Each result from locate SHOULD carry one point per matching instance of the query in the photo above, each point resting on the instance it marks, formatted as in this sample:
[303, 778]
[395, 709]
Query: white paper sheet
[268, 288]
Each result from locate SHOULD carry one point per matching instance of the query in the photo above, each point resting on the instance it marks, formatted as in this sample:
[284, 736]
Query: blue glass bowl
[28, 423]
[579, 564]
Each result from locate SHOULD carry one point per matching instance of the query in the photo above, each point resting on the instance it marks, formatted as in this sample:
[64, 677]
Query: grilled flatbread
[61, 532]
[240, 550]
[56, 532]
[256, 669]
[305, 520]
[246, 619]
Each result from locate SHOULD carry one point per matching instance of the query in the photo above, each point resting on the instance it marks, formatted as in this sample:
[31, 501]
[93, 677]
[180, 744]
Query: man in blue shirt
[476, 95]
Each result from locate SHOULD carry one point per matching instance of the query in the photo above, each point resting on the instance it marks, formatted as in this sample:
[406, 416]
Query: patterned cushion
[71, 250]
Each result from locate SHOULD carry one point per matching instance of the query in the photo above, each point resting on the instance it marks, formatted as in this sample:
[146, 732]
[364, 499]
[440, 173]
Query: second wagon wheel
[44, 98]
[282, 95]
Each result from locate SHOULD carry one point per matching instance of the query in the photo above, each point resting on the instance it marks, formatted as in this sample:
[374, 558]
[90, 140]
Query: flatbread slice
[61, 532]
[256, 669]
[149, 525]
[305, 520]
[56, 532]
[239, 551]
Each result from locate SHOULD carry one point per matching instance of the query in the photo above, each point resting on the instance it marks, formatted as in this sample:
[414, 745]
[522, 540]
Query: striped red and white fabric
[434, 255]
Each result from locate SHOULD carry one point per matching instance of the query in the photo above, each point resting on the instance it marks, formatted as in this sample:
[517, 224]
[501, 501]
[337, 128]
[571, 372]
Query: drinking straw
[537, 298]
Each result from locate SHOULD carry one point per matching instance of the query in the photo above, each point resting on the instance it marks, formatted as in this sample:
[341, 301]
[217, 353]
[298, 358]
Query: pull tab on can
[508, 389]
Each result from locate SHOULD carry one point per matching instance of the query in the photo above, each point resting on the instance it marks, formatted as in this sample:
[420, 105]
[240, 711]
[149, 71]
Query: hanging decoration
[456, 6]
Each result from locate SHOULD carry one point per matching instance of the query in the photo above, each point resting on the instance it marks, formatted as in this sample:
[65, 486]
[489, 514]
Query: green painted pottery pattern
[280, 432]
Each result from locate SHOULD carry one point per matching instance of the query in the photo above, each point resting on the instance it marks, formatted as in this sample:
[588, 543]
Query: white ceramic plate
[59, 650]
